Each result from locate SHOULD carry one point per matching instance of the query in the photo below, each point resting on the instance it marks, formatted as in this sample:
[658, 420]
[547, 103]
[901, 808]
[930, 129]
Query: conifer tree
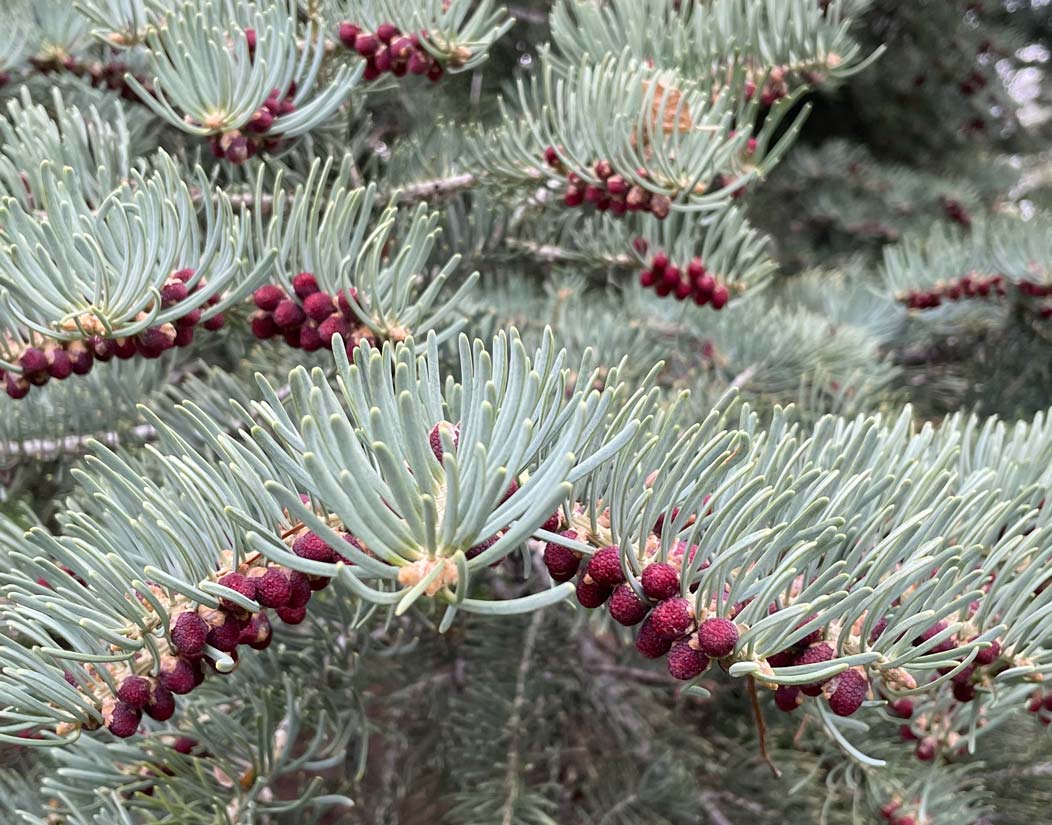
[586, 411]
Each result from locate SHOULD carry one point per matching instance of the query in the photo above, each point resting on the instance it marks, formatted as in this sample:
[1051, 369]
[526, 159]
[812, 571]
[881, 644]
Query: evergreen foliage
[603, 411]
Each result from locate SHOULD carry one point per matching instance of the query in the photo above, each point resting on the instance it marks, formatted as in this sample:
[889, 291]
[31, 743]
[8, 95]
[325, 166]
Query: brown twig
[761, 728]
[549, 253]
[42, 449]
[798, 737]
[411, 192]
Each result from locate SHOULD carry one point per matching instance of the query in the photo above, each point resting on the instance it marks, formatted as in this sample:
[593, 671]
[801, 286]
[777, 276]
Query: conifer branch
[779, 41]
[419, 447]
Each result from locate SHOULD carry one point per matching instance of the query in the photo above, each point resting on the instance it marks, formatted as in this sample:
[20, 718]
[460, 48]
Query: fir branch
[203, 36]
[778, 40]
[667, 139]
[841, 551]
[459, 34]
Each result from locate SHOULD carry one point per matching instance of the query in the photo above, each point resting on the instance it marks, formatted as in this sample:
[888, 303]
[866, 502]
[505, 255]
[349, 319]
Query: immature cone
[184, 336]
[318, 306]
[553, 522]
[353, 541]
[660, 581]
[562, 562]
[189, 633]
[288, 314]
[717, 637]
[366, 44]
[783, 658]
[261, 122]
[33, 360]
[348, 33]
[264, 326]
[193, 318]
[333, 325]
[926, 749]
[61, 367]
[513, 488]
[482, 547]
[240, 584]
[304, 285]
[124, 348]
[650, 644]
[321, 582]
[215, 323]
[847, 692]
[812, 637]
[184, 745]
[604, 567]
[124, 720]
[704, 289]
[387, 32]
[224, 636]
[309, 546]
[821, 652]
[684, 662]
[161, 705]
[180, 676]
[310, 338]
[256, 634]
[175, 291]
[239, 150]
[626, 607]
[419, 63]
[268, 296]
[134, 691]
[435, 438]
[590, 594]
[156, 340]
[299, 591]
[81, 359]
[787, 698]
[937, 628]
[15, 386]
[988, 655]
[343, 301]
[672, 618]
[292, 615]
[902, 708]
[878, 629]
[273, 588]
